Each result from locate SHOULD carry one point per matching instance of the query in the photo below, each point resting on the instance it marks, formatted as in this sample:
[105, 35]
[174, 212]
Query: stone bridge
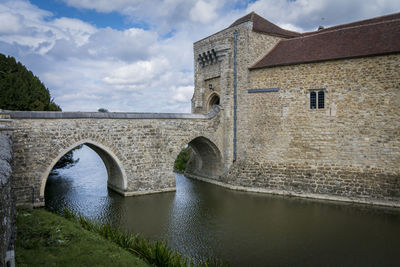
[138, 149]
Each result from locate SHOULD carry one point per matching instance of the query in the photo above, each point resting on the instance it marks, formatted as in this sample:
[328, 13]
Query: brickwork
[250, 47]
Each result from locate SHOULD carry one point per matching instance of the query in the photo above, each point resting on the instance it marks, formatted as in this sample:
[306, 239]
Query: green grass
[46, 239]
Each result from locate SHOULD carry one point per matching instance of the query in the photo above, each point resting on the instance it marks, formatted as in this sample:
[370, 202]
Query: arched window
[213, 101]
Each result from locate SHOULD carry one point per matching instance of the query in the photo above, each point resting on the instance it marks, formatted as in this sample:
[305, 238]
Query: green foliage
[21, 90]
[104, 110]
[67, 160]
[156, 253]
[182, 159]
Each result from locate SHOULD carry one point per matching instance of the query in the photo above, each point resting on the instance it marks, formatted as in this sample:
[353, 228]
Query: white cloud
[138, 73]
[162, 15]
[203, 12]
[9, 23]
[136, 69]
[183, 94]
[307, 15]
[102, 5]
[74, 29]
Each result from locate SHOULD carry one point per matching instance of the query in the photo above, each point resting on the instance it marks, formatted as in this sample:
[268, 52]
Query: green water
[245, 229]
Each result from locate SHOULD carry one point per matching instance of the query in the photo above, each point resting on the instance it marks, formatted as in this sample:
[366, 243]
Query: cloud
[163, 16]
[138, 73]
[74, 29]
[183, 94]
[102, 5]
[307, 15]
[148, 69]
[203, 12]
[9, 23]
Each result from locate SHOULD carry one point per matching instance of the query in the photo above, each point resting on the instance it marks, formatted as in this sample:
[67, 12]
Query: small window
[317, 101]
[313, 100]
[321, 99]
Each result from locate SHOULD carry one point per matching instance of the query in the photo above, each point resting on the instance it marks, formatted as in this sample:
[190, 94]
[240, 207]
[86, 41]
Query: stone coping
[107, 115]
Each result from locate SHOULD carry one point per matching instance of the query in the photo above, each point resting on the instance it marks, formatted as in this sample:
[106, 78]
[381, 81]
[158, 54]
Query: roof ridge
[343, 26]
[262, 25]
[310, 34]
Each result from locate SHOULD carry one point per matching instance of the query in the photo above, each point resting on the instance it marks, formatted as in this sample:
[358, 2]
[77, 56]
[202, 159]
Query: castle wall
[252, 48]
[349, 149]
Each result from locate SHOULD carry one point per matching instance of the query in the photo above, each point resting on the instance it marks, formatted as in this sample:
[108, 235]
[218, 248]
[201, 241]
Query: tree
[104, 110]
[182, 159]
[21, 90]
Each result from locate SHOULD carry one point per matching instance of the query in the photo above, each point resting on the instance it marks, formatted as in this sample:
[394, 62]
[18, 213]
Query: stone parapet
[107, 115]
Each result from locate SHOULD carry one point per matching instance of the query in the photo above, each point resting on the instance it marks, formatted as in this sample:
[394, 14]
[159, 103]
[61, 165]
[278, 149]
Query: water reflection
[244, 228]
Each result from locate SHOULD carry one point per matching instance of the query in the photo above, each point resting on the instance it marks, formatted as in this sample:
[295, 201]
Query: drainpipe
[235, 35]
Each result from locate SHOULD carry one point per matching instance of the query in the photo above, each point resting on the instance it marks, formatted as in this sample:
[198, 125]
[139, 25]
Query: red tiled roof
[376, 36]
[264, 26]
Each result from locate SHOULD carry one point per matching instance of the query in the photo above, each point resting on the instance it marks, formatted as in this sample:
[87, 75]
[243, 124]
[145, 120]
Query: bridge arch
[205, 159]
[117, 179]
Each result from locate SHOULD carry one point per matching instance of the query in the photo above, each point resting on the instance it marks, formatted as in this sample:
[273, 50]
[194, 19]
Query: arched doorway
[205, 159]
[117, 180]
[213, 101]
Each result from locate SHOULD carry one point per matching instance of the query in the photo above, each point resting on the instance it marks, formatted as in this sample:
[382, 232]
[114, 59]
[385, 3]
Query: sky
[137, 55]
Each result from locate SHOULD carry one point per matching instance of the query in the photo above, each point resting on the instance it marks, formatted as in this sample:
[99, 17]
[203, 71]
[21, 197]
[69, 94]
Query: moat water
[245, 229]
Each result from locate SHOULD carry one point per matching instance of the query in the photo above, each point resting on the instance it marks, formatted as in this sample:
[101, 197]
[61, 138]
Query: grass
[44, 238]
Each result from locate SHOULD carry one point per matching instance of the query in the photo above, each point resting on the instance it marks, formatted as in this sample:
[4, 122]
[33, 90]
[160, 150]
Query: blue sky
[136, 55]
[112, 19]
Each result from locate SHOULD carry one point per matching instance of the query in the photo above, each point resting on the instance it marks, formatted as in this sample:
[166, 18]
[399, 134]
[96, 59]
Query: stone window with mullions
[317, 99]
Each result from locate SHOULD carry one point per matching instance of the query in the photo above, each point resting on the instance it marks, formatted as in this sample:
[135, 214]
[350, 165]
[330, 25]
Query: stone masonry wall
[350, 149]
[7, 206]
[250, 47]
[144, 149]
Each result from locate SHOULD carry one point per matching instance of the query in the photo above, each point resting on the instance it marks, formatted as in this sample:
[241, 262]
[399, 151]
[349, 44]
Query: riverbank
[47, 238]
[44, 238]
